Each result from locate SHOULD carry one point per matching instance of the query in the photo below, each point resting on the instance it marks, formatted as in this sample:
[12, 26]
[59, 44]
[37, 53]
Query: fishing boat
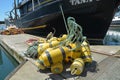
[116, 18]
[94, 16]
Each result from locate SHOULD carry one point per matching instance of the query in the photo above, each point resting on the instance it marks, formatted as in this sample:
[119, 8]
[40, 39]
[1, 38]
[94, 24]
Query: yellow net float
[73, 54]
[52, 57]
[51, 43]
[57, 68]
[40, 65]
[63, 37]
[77, 66]
[86, 54]
[42, 47]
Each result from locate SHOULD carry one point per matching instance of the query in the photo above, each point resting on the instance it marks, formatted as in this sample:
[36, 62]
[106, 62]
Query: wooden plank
[28, 72]
[97, 71]
[113, 73]
[110, 50]
[102, 67]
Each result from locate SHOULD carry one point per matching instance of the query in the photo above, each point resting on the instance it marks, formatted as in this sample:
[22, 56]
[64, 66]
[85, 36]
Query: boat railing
[11, 17]
[34, 6]
[24, 1]
[36, 3]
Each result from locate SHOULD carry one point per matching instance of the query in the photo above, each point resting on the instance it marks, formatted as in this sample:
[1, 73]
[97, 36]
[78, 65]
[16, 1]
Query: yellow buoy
[86, 54]
[42, 47]
[73, 54]
[57, 68]
[62, 38]
[77, 66]
[53, 56]
[40, 64]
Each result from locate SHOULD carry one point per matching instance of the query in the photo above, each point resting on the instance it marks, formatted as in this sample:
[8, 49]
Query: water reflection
[7, 64]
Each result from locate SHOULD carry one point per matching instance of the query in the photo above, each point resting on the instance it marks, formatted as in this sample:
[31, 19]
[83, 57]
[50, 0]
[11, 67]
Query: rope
[64, 19]
[74, 31]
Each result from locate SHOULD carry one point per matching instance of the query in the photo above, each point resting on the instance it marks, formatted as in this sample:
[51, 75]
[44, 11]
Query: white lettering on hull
[77, 2]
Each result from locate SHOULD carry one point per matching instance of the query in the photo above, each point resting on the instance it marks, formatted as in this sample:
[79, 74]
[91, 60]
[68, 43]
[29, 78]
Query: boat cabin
[26, 6]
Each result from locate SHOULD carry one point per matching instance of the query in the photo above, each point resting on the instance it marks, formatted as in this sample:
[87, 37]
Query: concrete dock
[105, 66]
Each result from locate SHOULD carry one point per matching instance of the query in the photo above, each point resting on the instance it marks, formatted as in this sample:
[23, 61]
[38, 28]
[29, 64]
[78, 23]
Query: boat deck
[105, 65]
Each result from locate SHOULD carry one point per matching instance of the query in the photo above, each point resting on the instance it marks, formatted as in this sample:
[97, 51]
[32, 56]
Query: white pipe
[33, 5]
[39, 2]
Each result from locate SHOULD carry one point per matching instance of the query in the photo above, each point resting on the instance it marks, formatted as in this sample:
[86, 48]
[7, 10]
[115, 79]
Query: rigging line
[64, 18]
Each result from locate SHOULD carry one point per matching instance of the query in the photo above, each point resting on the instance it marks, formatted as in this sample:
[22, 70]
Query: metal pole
[33, 4]
[39, 2]
[17, 2]
[15, 9]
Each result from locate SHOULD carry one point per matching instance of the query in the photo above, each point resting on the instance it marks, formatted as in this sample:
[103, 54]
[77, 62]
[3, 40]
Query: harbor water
[7, 64]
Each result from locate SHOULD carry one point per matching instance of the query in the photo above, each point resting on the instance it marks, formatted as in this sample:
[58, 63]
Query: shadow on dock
[66, 74]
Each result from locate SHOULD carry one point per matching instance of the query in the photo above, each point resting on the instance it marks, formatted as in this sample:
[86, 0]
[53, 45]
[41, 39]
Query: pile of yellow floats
[54, 52]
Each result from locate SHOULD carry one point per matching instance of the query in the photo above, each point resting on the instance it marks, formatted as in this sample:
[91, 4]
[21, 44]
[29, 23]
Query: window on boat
[40, 2]
[23, 10]
[30, 6]
[36, 4]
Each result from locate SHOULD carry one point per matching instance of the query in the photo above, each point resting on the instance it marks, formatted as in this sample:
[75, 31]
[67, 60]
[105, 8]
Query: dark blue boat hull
[95, 17]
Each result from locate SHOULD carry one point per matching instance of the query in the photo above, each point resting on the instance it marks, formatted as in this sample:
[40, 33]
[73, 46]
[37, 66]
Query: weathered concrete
[104, 67]
[16, 45]
[28, 72]
[105, 49]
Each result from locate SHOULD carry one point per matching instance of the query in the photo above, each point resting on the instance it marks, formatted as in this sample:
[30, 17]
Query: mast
[15, 8]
